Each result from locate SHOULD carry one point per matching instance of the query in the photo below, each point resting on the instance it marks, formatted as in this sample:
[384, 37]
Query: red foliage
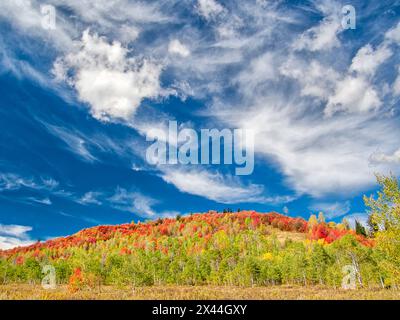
[202, 225]
[76, 280]
[329, 234]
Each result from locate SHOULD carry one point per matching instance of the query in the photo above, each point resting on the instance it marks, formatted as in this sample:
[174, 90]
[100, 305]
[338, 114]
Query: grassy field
[34, 292]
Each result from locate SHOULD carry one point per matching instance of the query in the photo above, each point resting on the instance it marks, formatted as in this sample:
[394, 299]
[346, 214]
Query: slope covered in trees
[243, 248]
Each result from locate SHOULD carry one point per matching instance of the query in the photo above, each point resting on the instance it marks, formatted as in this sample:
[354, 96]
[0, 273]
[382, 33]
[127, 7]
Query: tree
[385, 210]
[360, 229]
[385, 215]
[373, 227]
[346, 224]
[312, 221]
[321, 217]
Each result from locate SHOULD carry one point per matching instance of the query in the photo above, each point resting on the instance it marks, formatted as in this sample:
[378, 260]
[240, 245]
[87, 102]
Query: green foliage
[360, 228]
[385, 222]
[214, 249]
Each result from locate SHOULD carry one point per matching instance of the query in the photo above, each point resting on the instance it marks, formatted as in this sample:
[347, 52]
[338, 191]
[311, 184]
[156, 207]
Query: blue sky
[78, 100]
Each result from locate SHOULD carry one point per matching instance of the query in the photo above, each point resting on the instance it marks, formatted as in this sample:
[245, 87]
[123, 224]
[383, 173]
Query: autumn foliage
[220, 248]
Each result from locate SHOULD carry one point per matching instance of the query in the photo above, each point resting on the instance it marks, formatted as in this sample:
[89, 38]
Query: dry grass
[34, 292]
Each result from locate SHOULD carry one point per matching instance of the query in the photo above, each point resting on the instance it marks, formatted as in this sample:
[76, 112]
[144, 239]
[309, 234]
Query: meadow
[36, 292]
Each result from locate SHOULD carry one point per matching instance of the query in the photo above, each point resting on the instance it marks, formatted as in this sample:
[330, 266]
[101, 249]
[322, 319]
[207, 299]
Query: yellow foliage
[267, 256]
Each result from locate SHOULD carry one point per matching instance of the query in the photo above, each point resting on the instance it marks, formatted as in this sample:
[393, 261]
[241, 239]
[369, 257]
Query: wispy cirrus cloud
[332, 210]
[318, 100]
[219, 188]
[14, 235]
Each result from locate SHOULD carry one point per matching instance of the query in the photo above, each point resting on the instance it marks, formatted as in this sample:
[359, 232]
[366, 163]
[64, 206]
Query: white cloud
[216, 187]
[367, 60]
[393, 34]
[106, 78]
[134, 202]
[381, 157]
[45, 201]
[396, 84]
[353, 95]
[360, 217]
[75, 142]
[12, 181]
[260, 69]
[309, 149]
[128, 33]
[209, 9]
[90, 197]
[26, 17]
[332, 210]
[315, 79]
[125, 200]
[176, 47]
[257, 45]
[14, 236]
[323, 36]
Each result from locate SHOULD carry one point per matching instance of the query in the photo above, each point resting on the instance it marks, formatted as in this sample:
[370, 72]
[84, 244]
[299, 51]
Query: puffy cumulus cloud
[353, 95]
[105, 77]
[14, 236]
[219, 188]
[368, 59]
[314, 78]
[176, 47]
[209, 9]
[356, 92]
[332, 210]
[256, 70]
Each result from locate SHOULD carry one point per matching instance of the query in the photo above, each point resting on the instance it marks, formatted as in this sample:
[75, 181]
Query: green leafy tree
[312, 221]
[385, 214]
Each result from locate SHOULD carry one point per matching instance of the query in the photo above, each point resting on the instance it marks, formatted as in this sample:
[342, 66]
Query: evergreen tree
[360, 229]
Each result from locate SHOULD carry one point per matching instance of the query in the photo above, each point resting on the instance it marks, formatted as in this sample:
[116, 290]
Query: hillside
[200, 225]
[244, 248]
